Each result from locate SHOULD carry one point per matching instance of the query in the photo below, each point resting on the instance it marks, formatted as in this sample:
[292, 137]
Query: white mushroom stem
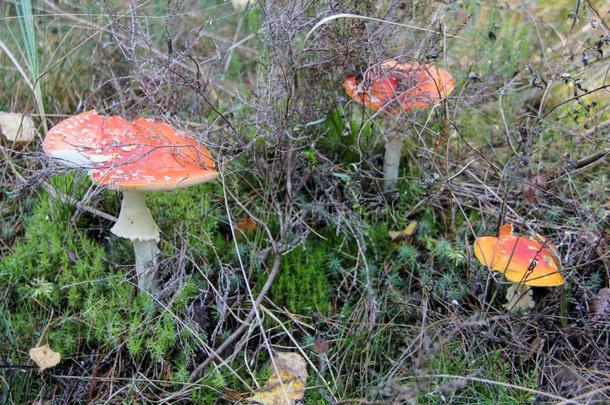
[146, 264]
[519, 298]
[391, 162]
[136, 223]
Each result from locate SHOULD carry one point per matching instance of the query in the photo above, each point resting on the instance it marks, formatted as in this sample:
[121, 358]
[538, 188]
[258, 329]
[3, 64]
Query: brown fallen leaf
[530, 187]
[245, 226]
[529, 194]
[44, 357]
[403, 235]
[232, 394]
[16, 127]
[287, 384]
[601, 305]
[321, 344]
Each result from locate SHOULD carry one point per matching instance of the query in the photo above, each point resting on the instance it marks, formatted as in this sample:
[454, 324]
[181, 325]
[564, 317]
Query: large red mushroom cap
[522, 260]
[163, 159]
[392, 86]
[144, 155]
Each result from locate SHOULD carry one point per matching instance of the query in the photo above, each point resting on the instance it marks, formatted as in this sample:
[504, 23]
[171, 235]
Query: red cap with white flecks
[144, 155]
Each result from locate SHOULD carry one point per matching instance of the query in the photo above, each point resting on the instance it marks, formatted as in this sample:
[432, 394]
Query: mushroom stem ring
[136, 223]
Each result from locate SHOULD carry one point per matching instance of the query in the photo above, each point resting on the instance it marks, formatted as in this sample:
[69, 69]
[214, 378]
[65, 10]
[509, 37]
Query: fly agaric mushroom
[136, 157]
[527, 262]
[391, 87]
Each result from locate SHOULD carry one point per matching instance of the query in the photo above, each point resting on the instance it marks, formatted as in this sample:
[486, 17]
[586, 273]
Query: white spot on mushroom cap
[71, 157]
[101, 158]
[548, 260]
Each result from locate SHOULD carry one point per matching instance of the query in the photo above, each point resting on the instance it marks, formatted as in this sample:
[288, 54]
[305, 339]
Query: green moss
[207, 393]
[57, 270]
[41, 276]
[188, 213]
[302, 285]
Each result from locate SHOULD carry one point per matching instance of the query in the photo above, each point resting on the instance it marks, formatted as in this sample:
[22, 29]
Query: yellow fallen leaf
[405, 234]
[292, 362]
[273, 393]
[287, 387]
[44, 357]
[17, 127]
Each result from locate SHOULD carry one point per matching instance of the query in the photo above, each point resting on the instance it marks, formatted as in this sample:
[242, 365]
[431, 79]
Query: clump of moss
[53, 268]
[190, 214]
[302, 285]
[58, 276]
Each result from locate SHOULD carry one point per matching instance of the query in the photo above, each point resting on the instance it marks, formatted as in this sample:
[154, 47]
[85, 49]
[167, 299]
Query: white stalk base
[519, 298]
[136, 223]
[391, 162]
[146, 264]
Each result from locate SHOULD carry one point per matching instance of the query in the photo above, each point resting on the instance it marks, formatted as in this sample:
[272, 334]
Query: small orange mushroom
[391, 87]
[522, 260]
[132, 157]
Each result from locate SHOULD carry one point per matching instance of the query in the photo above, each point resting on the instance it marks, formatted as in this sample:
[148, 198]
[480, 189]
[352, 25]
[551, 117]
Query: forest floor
[296, 247]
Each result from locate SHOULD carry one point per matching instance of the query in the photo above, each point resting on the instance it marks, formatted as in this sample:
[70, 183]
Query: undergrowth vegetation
[297, 247]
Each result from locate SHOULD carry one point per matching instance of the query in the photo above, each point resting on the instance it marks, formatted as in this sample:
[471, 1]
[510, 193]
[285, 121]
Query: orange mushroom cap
[392, 86]
[144, 155]
[522, 260]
